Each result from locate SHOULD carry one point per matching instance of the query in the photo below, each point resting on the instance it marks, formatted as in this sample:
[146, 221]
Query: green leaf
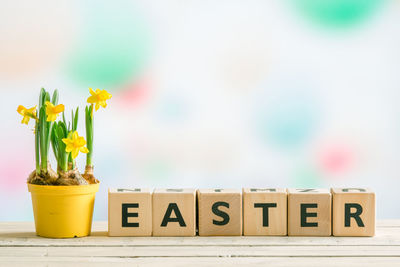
[75, 119]
[89, 134]
[54, 99]
[64, 129]
[60, 133]
[37, 152]
[54, 142]
[72, 118]
[63, 118]
[48, 124]
[42, 138]
[42, 97]
[47, 97]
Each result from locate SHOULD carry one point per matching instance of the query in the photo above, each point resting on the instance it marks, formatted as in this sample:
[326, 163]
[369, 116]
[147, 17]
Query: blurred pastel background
[288, 93]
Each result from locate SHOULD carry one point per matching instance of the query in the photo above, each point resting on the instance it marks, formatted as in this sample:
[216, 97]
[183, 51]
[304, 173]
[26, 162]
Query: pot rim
[63, 189]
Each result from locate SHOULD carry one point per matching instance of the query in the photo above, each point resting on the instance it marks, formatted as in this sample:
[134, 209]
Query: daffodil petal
[92, 99]
[25, 120]
[59, 108]
[49, 104]
[103, 104]
[84, 150]
[32, 112]
[74, 153]
[91, 91]
[66, 141]
[74, 144]
[69, 148]
[21, 109]
[80, 141]
[51, 117]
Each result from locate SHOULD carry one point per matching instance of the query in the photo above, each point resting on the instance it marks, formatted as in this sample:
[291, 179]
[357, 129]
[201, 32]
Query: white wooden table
[20, 246]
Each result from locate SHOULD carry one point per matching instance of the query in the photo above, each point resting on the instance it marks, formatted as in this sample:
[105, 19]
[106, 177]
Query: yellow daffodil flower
[27, 113]
[98, 97]
[75, 143]
[53, 111]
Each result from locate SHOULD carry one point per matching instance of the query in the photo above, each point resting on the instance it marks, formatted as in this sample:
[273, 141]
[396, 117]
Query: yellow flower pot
[63, 211]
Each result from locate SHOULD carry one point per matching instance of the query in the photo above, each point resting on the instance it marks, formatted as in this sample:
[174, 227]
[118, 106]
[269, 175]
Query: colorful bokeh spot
[15, 170]
[288, 126]
[337, 13]
[113, 48]
[336, 159]
[306, 177]
[134, 95]
[29, 43]
[157, 169]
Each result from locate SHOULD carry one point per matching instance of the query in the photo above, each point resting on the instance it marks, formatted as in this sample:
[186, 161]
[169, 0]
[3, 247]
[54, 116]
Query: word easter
[252, 212]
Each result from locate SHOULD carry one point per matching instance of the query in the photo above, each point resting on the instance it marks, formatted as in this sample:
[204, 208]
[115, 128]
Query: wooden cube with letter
[309, 212]
[129, 212]
[353, 212]
[174, 212]
[219, 212]
[264, 211]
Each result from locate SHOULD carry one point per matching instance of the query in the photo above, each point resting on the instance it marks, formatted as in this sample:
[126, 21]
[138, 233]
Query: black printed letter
[356, 215]
[126, 214]
[222, 214]
[167, 216]
[265, 207]
[304, 214]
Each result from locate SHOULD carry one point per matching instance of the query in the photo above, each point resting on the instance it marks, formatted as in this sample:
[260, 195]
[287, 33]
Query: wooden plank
[103, 226]
[196, 241]
[20, 246]
[202, 261]
[385, 236]
[203, 251]
[388, 223]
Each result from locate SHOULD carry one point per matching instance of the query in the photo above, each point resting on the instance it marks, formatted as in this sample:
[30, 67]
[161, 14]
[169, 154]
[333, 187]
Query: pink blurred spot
[135, 94]
[336, 159]
[14, 172]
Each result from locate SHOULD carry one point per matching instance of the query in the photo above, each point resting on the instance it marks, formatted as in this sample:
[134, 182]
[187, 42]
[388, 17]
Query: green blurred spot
[306, 178]
[337, 13]
[113, 48]
[288, 126]
[157, 169]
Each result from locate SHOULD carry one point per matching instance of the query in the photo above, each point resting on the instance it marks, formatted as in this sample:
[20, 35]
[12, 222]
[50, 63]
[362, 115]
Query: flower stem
[42, 140]
[37, 156]
[89, 133]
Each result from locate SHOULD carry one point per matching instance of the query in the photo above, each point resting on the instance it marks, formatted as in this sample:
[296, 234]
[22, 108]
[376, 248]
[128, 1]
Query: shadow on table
[99, 233]
[18, 235]
[33, 234]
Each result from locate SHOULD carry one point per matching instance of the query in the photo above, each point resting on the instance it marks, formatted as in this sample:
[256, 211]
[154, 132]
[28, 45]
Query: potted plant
[62, 199]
